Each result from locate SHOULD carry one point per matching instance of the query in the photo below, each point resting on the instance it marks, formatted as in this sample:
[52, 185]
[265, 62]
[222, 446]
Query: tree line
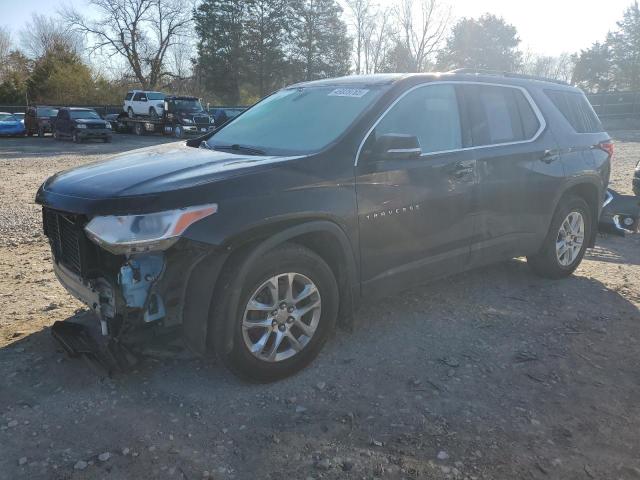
[237, 51]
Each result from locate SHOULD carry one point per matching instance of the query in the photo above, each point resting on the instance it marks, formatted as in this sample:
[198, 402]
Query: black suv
[255, 239]
[81, 124]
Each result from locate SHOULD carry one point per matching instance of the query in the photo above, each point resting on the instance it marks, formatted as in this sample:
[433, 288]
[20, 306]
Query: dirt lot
[494, 374]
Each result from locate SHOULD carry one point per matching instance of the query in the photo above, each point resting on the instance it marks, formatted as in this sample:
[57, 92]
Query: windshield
[77, 114]
[297, 120]
[47, 112]
[155, 96]
[7, 117]
[188, 106]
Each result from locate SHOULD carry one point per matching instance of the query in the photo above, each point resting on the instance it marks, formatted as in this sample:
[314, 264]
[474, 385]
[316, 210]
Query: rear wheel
[287, 308]
[566, 242]
[41, 132]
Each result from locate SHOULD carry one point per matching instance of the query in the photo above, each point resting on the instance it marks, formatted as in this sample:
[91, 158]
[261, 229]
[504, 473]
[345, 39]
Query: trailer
[182, 116]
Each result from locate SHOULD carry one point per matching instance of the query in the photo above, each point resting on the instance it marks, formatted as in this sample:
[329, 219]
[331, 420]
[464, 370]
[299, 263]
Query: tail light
[607, 147]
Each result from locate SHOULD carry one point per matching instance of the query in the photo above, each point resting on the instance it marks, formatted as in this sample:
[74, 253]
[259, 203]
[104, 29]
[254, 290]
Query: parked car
[117, 125]
[38, 119]
[81, 124]
[141, 102]
[252, 240]
[620, 214]
[224, 114]
[19, 116]
[181, 116]
[10, 124]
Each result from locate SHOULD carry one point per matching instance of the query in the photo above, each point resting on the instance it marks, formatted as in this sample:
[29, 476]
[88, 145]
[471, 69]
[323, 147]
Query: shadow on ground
[507, 375]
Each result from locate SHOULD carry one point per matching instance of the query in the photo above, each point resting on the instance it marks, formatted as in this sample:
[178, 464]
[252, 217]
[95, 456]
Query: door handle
[550, 156]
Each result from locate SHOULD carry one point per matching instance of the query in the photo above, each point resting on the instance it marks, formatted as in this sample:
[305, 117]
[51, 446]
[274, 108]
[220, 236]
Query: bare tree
[361, 13]
[422, 25]
[559, 68]
[378, 39]
[139, 31]
[40, 34]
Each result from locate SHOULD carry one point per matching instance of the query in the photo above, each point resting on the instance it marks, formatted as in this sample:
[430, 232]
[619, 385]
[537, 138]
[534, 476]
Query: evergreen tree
[624, 45]
[220, 25]
[592, 71]
[486, 43]
[267, 34]
[321, 45]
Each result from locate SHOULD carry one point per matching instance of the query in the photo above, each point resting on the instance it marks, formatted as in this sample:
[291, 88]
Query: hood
[92, 121]
[148, 176]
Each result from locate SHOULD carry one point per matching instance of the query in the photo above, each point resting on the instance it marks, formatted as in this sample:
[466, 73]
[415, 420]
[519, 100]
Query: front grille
[201, 120]
[66, 238]
[95, 125]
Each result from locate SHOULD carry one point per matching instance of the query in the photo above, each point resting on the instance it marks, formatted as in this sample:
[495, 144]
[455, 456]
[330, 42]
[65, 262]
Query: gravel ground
[493, 374]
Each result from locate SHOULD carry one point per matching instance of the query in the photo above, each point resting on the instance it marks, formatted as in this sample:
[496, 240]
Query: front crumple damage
[137, 279]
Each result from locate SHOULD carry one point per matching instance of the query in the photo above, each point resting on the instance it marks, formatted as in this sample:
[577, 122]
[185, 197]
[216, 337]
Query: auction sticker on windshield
[349, 92]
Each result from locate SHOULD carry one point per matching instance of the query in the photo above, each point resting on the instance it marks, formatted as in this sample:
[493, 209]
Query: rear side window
[429, 113]
[499, 115]
[577, 110]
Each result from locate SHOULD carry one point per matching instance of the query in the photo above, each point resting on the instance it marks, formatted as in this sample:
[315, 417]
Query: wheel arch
[590, 192]
[324, 237]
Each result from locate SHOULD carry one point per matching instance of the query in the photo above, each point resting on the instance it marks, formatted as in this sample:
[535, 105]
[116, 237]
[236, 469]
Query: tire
[309, 271]
[138, 128]
[76, 138]
[130, 112]
[41, 132]
[152, 113]
[55, 135]
[178, 132]
[549, 262]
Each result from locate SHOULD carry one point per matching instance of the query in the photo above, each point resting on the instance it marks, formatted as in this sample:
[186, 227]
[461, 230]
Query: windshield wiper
[240, 148]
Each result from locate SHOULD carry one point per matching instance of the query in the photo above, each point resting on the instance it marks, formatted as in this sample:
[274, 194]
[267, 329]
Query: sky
[546, 27]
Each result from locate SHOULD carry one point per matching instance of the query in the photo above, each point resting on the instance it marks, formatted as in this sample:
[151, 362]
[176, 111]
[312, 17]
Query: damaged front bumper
[620, 214]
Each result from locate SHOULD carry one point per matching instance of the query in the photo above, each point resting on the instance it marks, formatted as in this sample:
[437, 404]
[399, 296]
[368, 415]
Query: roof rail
[497, 73]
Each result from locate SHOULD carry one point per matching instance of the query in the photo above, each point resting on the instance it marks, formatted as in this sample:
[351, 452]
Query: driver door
[416, 215]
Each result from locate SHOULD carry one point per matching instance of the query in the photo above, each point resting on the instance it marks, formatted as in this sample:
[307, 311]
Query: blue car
[10, 124]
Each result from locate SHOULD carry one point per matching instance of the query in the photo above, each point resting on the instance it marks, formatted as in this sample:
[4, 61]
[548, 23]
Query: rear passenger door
[505, 128]
[140, 103]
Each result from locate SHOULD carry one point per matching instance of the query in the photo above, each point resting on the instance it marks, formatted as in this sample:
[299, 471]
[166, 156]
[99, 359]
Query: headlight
[81, 125]
[108, 125]
[142, 233]
[187, 121]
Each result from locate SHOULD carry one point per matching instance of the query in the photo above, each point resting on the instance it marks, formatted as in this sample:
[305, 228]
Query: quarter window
[499, 115]
[429, 113]
[577, 110]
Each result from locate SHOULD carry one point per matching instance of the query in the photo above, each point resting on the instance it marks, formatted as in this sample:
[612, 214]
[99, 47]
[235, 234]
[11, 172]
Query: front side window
[298, 120]
[129, 95]
[7, 117]
[499, 115]
[430, 113]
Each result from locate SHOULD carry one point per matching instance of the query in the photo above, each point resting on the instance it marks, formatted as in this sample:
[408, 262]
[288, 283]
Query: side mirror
[396, 146]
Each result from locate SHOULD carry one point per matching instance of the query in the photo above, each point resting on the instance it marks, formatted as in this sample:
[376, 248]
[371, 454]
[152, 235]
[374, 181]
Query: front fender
[221, 335]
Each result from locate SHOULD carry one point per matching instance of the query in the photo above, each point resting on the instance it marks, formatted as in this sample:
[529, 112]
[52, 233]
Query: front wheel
[41, 132]
[76, 138]
[566, 242]
[178, 131]
[287, 308]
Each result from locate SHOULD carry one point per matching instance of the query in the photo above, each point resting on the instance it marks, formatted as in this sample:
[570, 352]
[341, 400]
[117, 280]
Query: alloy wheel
[570, 239]
[281, 317]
